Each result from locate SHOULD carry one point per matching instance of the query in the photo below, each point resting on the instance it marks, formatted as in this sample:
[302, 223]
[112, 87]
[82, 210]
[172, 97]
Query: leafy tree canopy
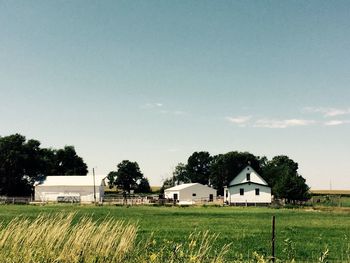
[180, 175]
[143, 186]
[128, 177]
[281, 173]
[23, 162]
[65, 162]
[198, 167]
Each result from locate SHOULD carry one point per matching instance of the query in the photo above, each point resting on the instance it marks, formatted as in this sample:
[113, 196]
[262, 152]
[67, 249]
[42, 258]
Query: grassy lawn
[300, 232]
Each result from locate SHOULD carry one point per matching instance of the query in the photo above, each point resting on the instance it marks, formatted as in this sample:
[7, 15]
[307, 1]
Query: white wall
[170, 194]
[186, 195]
[249, 194]
[85, 193]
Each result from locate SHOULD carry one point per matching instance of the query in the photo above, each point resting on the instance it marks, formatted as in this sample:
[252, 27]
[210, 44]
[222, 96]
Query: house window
[194, 194]
[226, 193]
[257, 191]
[241, 191]
[248, 176]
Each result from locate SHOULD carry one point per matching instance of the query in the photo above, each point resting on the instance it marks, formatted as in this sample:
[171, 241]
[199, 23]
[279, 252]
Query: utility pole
[93, 174]
[273, 240]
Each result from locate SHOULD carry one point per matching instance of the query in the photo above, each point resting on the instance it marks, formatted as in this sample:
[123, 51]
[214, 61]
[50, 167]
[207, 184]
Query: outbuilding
[247, 188]
[190, 193]
[70, 188]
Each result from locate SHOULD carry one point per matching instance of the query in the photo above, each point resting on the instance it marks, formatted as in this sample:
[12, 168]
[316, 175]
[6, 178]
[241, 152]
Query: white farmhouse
[190, 193]
[67, 188]
[248, 187]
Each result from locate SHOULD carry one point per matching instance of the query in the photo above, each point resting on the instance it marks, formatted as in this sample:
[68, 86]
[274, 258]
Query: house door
[211, 198]
[175, 197]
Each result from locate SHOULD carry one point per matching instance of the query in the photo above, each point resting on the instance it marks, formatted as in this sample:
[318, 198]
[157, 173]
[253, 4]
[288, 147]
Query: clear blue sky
[154, 81]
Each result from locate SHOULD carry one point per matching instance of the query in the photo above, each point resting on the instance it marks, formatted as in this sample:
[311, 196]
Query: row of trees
[281, 173]
[22, 162]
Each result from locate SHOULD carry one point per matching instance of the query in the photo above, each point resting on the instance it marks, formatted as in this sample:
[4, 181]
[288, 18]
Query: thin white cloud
[328, 112]
[247, 121]
[336, 122]
[158, 107]
[282, 124]
[152, 105]
[240, 120]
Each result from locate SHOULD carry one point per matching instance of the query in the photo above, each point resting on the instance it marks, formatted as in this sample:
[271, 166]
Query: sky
[154, 81]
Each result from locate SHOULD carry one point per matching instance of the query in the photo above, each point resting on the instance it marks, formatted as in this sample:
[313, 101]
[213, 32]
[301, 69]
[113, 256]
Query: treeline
[281, 173]
[23, 162]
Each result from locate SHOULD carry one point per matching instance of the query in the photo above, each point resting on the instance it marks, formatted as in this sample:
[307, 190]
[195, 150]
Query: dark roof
[249, 183]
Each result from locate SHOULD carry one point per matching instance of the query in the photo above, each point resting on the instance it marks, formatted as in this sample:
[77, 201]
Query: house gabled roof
[180, 187]
[249, 184]
[241, 177]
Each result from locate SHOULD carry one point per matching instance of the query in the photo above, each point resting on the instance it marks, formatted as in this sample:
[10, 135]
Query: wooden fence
[15, 200]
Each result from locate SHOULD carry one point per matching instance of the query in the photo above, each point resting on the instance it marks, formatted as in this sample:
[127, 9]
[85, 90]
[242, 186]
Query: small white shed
[248, 187]
[70, 188]
[190, 193]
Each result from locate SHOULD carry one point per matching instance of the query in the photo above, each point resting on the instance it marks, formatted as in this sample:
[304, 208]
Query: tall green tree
[127, 177]
[281, 173]
[198, 167]
[66, 162]
[23, 162]
[180, 174]
[20, 165]
[143, 186]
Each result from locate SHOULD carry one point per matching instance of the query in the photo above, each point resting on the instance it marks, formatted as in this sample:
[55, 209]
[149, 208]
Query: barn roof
[72, 180]
[180, 187]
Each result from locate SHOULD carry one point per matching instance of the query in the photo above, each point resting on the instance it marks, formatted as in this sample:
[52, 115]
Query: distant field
[335, 198]
[330, 192]
[155, 189]
[302, 234]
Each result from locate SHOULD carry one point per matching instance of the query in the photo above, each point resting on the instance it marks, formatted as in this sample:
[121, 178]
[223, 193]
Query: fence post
[273, 239]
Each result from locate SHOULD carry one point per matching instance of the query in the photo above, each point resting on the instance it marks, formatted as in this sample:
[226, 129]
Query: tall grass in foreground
[196, 248]
[55, 238]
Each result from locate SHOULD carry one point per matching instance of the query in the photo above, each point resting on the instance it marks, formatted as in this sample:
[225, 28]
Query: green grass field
[301, 234]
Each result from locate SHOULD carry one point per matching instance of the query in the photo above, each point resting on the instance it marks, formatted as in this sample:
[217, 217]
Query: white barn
[190, 193]
[68, 188]
[248, 187]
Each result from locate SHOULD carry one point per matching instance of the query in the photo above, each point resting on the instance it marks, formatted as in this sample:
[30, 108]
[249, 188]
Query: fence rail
[15, 200]
[114, 200]
[162, 201]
